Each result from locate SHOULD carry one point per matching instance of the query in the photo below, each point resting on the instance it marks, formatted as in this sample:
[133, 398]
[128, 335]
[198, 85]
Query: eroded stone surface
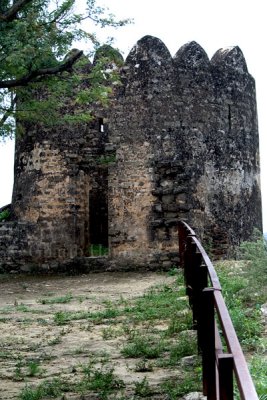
[178, 141]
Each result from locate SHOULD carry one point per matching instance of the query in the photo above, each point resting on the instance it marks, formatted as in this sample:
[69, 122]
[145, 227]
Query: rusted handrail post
[182, 243]
[207, 335]
[196, 284]
[225, 372]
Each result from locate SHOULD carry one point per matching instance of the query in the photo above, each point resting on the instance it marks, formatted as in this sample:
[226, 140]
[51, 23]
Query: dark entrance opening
[98, 214]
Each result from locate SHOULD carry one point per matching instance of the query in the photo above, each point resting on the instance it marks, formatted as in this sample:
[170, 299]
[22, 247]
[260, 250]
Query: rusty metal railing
[206, 300]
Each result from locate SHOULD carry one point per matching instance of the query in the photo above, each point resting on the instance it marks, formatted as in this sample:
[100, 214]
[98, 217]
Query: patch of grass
[173, 271]
[103, 381]
[5, 355]
[244, 290]
[245, 315]
[143, 366]
[78, 350]
[23, 308]
[255, 252]
[180, 322]
[3, 320]
[63, 317]
[54, 341]
[47, 389]
[57, 300]
[185, 346]
[143, 346]
[6, 309]
[110, 333]
[18, 370]
[190, 381]
[258, 369]
[42, 321]
[159, 303]
[26, 368]
[142, 389]
[33, 368]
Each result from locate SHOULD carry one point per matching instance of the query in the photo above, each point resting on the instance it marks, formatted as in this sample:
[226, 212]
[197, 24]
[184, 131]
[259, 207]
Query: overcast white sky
[211, 23]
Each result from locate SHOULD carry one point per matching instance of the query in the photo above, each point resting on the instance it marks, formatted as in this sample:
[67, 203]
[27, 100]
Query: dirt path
[46, 332]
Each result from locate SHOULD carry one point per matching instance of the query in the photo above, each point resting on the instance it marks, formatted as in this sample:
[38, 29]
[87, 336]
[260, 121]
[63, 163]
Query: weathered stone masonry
[179, 140]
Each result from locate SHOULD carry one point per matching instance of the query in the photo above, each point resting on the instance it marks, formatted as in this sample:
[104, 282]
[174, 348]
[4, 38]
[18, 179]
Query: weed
[42, 321]
[110, 333]
[54, 341]
[185, 346]
[3, 320]
[62, 317]
[122, 301]
[18, 369]
[5, 355]
[189, 382]
[106, 159]
[81, 298]
[142, 389]
[143, 366]
[173, 271]
[141, 346]
[23, 308]
[57, 300]
[45, 390]
[33, 368]
[161, 303]
[102, 381]
[180, 322]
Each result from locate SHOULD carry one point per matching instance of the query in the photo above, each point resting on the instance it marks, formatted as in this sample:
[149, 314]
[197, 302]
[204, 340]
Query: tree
[35, 50]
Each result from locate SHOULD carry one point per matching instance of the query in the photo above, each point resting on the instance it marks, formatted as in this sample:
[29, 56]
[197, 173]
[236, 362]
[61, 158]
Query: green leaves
[35, 36]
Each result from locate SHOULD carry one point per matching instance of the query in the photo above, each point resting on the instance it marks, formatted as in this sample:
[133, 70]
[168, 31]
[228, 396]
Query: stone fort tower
[178, 141]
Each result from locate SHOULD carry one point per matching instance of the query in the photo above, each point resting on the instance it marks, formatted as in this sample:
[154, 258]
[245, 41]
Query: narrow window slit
[101, 125]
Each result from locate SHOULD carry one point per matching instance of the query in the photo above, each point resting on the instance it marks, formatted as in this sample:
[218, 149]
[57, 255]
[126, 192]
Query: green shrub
[4, 215]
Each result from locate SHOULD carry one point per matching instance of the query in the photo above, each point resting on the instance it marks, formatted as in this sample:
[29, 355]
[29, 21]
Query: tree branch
[9, 111]
[11, 14]
[23, 81]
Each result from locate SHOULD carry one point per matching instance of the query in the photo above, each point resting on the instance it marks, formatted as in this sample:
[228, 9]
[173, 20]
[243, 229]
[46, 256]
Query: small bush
[5, 215]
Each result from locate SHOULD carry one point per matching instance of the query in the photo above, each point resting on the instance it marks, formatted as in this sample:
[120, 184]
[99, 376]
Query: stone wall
[178, 141]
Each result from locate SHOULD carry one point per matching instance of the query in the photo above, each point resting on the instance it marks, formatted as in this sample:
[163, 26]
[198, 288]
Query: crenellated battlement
[179, 140]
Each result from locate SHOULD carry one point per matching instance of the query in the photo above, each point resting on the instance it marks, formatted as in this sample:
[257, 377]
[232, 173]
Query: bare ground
[31, 335]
